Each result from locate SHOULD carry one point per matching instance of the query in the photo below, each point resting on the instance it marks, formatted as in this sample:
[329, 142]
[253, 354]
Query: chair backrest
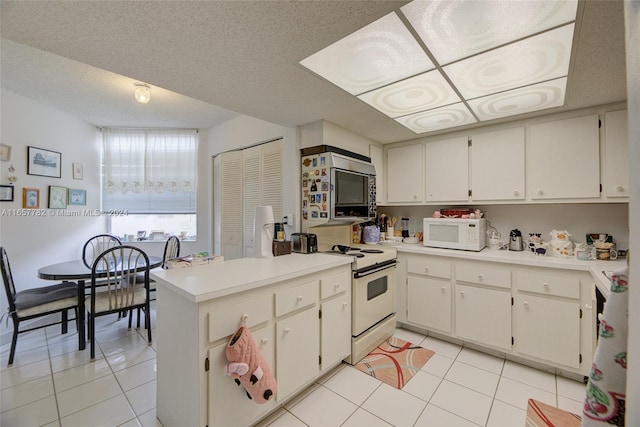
[7, 278]
[96, 245]
[171, 249]
[121, 265]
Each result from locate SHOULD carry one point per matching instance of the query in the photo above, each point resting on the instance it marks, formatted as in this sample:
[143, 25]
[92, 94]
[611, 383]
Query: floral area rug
[543, 415]
[395, 361]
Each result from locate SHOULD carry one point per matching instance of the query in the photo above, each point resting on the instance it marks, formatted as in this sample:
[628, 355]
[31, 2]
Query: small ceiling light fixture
[142, 93]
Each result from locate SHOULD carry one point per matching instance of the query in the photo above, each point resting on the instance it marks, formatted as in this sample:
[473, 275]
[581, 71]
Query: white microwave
[455, 233]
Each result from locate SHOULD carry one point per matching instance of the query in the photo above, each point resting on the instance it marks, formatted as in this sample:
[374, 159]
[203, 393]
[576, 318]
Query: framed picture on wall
[44, 162]
[77, 170]
[5, 152]
[30, 198]
[6, 193]
[57, 197]
[77, 197]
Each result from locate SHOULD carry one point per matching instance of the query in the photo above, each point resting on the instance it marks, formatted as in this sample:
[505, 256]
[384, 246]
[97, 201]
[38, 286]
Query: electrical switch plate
[288, 220]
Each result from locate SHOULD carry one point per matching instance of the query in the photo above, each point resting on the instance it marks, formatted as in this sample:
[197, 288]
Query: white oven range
[373, 284]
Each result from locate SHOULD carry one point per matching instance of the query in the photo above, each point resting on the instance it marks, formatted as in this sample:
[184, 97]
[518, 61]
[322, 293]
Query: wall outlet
[288, 220]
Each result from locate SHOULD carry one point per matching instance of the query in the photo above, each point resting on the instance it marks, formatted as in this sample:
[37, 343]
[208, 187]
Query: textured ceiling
[208, 60]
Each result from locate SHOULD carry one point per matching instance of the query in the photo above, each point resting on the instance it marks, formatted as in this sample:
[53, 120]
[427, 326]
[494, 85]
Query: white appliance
[262, 232]
[373, 287]
[455, 233]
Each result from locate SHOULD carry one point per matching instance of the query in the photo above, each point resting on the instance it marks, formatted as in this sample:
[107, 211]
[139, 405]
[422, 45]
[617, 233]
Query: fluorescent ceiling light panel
[423, 92]
[439, 118]
[519, 101]
[456, 29]
[383, 52]
[543, 57]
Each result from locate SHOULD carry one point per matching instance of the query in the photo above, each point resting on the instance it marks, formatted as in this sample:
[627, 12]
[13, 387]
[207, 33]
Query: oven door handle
[374, 269]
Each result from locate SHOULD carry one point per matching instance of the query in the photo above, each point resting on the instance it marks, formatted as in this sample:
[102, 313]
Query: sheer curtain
[149, 170]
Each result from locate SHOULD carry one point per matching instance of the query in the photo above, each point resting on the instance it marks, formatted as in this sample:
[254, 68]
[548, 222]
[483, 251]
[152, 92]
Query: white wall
[632, 24]
[33, 242]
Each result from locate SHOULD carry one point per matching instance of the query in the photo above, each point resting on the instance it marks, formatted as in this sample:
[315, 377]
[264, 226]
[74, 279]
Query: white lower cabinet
[429, 302]
[548, 329]
[298, 348]
[428, 292]
[541, 314]
[335, 331]
[224, 390]
[483, 315]
[555, 316]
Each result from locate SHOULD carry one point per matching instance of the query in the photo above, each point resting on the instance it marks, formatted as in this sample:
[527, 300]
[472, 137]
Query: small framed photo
[57, 197]
[5, 152]
[44, 162]
[77, 197]
[77, 170]
[6, 193]
[30, 198]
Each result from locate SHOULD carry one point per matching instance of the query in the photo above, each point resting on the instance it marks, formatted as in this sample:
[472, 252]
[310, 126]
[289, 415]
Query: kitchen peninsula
[298, 308]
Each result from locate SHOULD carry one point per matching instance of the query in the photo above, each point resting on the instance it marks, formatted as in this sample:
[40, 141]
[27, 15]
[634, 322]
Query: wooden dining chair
[36, 302]
[121, 265]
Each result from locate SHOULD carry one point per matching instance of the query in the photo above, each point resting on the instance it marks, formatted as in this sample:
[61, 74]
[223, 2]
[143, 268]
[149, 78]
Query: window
[150, 176]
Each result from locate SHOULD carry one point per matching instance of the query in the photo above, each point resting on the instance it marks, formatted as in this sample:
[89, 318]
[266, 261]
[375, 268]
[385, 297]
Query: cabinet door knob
[619, 188]
[443, 289]
[461, 293]
[345, 304]
[426, 268]
[287, 330]
[263, 341]
[299, 298]
[516, 193]
[540, 192]
[545, 284]
[336, 286]
[526, 304]
[480, 277]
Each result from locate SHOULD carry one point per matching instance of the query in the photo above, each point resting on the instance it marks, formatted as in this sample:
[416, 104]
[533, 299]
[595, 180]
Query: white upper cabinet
[404, 174]
[563, 159]
[616, 155]
[497, 165]
[447, 170]
[377, 159]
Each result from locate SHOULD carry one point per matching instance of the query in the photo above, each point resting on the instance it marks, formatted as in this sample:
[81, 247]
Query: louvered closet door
[272, 177]
[262, 186]
[251, 188]
[228, 204]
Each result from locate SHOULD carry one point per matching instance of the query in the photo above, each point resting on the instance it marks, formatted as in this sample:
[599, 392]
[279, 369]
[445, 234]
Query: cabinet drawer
[484, 274]
[296, 297]
[549, 284]
[334, 285]
[226, 321]
[429, 266]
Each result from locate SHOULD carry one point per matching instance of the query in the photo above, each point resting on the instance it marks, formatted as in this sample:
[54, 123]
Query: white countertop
[528, 258]
[204, 282]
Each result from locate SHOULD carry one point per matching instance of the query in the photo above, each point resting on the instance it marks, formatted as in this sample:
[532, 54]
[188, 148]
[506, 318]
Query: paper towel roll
[262, 231]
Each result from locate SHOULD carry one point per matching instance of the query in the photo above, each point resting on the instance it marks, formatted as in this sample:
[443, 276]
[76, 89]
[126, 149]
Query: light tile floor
[52, 384]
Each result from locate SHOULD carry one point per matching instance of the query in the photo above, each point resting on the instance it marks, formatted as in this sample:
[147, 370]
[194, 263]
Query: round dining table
[77, 271]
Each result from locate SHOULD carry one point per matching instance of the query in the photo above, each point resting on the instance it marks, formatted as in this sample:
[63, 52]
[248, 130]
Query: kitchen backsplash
[578, 219]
